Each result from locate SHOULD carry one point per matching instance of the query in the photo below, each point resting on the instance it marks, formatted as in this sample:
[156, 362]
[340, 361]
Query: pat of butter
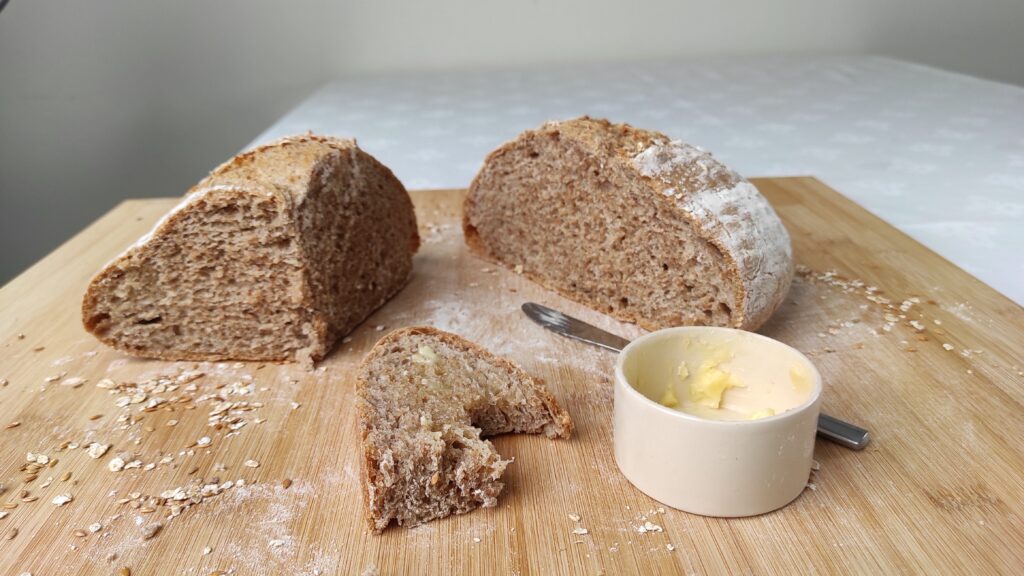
[709, 383]
[801, 379]
[703, 385]
[425, 355]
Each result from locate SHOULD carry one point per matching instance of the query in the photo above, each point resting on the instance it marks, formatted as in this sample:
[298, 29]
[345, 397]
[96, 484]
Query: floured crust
[721, 206]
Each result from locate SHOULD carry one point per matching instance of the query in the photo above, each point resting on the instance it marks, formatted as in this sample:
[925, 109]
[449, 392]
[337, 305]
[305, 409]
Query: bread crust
[720, 206]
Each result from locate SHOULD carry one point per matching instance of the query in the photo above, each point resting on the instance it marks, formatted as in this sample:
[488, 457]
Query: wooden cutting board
[925, 356]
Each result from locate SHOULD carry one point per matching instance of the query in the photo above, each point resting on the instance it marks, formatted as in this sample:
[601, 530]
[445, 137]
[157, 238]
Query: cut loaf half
[275, 255]
[627, 221]
[424, 399]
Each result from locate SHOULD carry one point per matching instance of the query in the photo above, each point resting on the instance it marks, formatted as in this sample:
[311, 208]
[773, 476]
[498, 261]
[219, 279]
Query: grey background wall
[110, 99]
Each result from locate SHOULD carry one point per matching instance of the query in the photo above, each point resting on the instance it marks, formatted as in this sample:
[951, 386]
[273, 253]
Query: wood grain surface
[925, 356]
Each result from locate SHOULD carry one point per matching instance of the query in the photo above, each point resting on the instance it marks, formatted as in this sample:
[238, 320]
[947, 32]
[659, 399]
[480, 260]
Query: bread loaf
[275, 255]
[629, 222]
[424, 399]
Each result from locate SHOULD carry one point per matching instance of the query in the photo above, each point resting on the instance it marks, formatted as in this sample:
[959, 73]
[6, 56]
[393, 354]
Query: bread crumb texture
[647, 229]
[275, 255]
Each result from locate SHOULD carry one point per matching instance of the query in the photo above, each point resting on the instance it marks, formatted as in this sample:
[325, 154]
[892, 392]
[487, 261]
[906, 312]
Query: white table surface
[938, 155]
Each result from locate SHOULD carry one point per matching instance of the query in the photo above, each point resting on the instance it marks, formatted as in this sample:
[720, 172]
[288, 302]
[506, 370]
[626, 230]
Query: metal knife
[829, 428]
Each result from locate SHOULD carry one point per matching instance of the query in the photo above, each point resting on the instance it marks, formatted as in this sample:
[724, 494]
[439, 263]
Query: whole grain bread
[424, 399]
[629, 222]
[275, 255]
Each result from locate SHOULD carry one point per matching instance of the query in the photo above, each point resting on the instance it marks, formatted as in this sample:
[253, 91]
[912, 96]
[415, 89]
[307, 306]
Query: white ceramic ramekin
[713, 467]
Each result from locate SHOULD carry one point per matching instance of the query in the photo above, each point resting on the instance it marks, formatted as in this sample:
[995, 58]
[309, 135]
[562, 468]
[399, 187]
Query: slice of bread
[274, 256]
[425, 397]
[649, 230]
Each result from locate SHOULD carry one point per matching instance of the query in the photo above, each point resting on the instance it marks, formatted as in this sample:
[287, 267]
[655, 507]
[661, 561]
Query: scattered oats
[116, 465]
[812, 485]
[66, 476]
[124, 571]
[151, 530]
[670, 547]
[286, 483]
[3, 514]
[477, 540]
[251, 464]
[649, 527]
[947, 346]
[12, 425]
[49, 379]
[276, 543]
[969, 371]
[204, 441]
[37, 458]
[80, 533]
[106, 384]
[207, 550]
[574, 517]
[73, 382]
[815, 465]
[518, 269]
[346, 339]
[295, 405]
[937, 322]
[379, 328]
[661, 510]
[97, 450]
[172, 422]
[123, 401]
[11, 534]
[95, 527]
[62, 499]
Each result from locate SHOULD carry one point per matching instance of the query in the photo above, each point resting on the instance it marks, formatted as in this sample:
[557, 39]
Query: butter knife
[829, 428]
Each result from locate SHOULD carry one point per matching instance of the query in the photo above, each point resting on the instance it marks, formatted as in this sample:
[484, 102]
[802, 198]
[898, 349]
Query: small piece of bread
[649, 230]
[274, 256]
[424, 399]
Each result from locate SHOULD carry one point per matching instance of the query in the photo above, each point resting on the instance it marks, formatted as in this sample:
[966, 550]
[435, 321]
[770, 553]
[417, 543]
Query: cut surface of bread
[275, 255]
[425, 398]
[631, 223]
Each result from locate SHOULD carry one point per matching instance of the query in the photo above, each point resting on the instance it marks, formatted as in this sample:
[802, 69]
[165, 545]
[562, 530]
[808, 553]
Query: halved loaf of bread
[275, 255]
[424, 399]
[629, 222]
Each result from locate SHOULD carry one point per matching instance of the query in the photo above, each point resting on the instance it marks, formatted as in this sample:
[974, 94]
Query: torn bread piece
[425, 398]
